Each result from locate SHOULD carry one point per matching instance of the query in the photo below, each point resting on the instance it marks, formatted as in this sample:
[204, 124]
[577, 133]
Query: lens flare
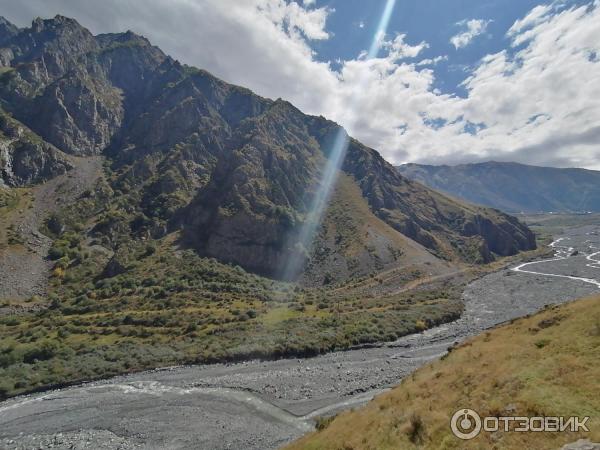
[381, 29]
[304, 239]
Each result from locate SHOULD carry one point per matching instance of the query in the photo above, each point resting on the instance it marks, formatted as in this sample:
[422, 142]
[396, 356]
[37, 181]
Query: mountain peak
[57, 35]
[128, 36]
[7, 29]
[4, 22]
[57, 22]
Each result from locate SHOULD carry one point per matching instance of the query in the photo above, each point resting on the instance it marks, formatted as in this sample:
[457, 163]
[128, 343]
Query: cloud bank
[537, 101]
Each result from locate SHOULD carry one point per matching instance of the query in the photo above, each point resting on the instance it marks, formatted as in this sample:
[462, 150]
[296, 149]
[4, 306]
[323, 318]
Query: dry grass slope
[546, 364]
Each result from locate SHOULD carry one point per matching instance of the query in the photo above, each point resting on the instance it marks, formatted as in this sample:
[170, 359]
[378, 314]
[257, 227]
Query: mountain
[513, 187]
[233, 171]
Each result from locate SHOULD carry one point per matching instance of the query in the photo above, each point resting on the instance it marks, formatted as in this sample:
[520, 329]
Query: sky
[454, 81]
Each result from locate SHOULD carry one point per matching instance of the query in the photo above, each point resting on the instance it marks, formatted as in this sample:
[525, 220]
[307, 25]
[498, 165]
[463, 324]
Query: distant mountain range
[513, 187]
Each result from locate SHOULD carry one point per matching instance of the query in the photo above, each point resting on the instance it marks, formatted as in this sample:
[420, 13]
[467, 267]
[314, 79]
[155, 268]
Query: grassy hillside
[543, 365]
[174, 307]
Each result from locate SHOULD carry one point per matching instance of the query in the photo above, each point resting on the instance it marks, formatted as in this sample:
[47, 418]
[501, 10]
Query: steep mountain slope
[354, 240]
[234, 172]
[513, 187]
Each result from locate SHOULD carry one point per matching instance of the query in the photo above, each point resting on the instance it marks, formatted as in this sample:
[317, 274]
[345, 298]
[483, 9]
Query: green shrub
[54, 301]
[150, 250]
[8, 357]
[55, 224]
[323, 422]
[5, 390]
[56, 253]
[416, 429]
[42, 352]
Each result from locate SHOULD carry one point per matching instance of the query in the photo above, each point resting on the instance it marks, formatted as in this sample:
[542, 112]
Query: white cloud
[537, 101]
[472, 29]
[399, 49]
[535, 16]
[432, 61]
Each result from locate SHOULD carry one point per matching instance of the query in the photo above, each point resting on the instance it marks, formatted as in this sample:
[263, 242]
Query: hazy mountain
[232, 172]
[513, 187]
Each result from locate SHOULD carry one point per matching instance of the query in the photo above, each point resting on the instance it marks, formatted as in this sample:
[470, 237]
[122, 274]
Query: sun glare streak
[307, 232]
[381, 29]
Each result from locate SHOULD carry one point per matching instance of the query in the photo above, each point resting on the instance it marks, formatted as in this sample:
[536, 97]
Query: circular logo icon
[465, 424]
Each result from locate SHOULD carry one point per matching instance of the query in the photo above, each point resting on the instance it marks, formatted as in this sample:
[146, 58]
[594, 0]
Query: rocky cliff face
[234, 172]
[24, 157]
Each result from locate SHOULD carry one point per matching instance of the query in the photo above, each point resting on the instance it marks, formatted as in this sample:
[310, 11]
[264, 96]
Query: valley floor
[263, 405]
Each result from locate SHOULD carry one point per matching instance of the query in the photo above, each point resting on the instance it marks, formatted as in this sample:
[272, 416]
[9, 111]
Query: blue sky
[454, 81]
[353, 23]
